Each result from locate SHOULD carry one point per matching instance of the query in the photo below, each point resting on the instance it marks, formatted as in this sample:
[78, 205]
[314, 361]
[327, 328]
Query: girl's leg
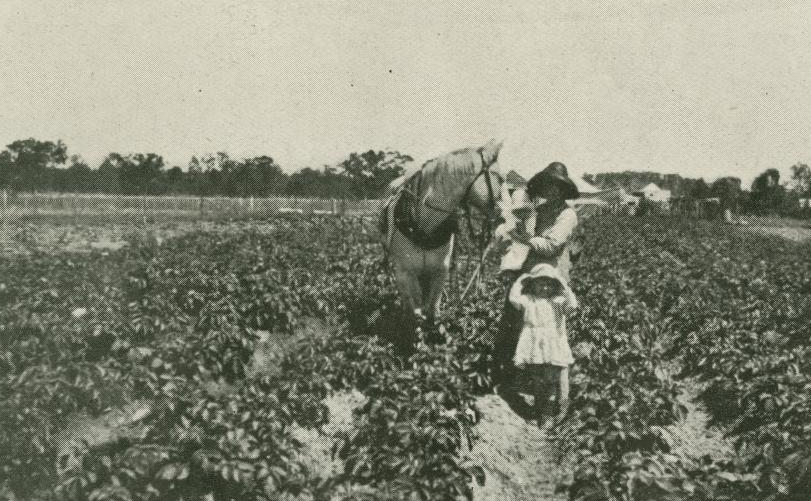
[541, 387]
[563, 393]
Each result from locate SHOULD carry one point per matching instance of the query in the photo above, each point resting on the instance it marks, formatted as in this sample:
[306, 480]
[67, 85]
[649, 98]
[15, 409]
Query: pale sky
[704, 88]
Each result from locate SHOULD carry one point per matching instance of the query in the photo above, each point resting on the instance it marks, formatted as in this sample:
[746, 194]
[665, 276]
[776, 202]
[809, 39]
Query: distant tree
[767, 194]
[195, 177]
[372, 171]
[218, 174]
[107, 179]
[801, 180]
[174, 181]
[214, 183]
[6, 169]
[27, 161]
[141, 173]
[304, 182]
[324, 183]
[697, 189]
[228, 167]
[77, 178]
[264, 176]
[728, 191]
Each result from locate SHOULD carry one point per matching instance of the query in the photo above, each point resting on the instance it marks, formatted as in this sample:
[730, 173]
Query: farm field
[22, 207]
[55, 235]
[266, 360]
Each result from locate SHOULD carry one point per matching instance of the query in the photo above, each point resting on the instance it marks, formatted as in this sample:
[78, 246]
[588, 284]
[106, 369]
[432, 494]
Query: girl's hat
[544, 270]
[520, 201]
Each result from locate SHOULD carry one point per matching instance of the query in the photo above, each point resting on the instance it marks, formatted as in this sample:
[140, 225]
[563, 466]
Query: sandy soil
[796, 234]
[517, 457]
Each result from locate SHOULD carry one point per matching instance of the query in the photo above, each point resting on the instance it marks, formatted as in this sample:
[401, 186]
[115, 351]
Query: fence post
[4, 216]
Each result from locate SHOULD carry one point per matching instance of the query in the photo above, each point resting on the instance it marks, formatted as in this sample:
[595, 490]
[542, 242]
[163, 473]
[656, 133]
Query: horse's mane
[446, 171]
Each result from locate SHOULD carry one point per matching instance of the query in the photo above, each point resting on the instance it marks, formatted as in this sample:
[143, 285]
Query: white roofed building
[584, 187]
[653, 193]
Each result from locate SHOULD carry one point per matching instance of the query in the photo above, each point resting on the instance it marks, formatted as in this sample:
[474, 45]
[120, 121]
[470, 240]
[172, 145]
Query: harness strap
[449, 225]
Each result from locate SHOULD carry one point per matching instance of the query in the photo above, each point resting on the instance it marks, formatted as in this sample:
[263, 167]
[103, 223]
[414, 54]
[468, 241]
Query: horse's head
[485, 191]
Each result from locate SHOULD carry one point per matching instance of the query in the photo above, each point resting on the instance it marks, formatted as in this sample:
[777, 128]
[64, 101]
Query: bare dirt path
[515, 454]
[795, 234]
[517, 457]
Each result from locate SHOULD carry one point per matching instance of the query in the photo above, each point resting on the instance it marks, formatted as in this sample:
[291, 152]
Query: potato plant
[175, 325]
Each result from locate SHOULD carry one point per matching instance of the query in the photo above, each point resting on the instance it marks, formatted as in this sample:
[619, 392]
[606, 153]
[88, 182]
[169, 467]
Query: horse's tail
[383, 221]
[386, 227]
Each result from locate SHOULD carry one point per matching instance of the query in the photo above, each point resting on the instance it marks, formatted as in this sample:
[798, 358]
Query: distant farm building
[514, 181]
[615, 200]
[584, 187]
[653, 193]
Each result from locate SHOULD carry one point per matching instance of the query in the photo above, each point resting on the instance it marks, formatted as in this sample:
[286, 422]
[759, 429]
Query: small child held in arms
[521, 212]
[545, 299]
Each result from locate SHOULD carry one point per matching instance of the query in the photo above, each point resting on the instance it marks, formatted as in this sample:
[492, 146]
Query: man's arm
[552, 240]
[501, 237]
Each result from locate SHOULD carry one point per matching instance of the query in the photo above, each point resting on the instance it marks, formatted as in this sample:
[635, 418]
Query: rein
[484, 235]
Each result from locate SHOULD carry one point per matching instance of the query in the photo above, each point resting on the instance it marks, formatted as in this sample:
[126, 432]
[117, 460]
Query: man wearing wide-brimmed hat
[555, 220]
[555, 223]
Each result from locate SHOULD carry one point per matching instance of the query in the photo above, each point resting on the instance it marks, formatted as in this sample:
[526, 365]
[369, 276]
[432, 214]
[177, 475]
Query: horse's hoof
[419, 315]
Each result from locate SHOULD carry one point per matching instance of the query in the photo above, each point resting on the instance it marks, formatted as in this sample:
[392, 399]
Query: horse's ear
[498, 147]
[492, 149]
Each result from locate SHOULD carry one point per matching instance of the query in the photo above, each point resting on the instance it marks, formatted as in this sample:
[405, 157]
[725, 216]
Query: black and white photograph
[405, 250]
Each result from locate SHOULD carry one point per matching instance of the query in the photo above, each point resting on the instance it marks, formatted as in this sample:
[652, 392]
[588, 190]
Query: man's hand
[519, 236]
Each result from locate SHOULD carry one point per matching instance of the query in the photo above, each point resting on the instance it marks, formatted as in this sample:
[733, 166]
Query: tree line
[34, 165]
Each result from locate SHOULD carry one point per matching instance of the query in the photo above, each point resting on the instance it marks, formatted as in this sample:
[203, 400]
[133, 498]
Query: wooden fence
[26, 206]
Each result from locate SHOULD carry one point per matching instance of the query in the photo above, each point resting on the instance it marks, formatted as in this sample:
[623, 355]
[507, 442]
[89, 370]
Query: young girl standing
[545, 299]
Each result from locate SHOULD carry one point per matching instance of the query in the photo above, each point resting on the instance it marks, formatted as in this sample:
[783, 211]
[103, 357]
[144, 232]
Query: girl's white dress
[543, 338]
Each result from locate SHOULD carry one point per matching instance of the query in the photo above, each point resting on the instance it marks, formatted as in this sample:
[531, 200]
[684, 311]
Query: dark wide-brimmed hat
[554, 173]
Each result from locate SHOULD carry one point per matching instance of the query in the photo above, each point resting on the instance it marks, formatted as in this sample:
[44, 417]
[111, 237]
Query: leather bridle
[486, 232]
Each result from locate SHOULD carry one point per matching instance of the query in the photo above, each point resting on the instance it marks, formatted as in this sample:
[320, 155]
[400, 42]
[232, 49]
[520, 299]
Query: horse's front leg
[410, 290]
[434, 297]
[440, 267]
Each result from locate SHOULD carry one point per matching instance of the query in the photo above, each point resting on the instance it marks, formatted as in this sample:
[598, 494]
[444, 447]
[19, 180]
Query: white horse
[419, 220]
